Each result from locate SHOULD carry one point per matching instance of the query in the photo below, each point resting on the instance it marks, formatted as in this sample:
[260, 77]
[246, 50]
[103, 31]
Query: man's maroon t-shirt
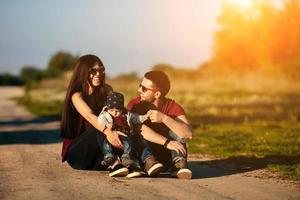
[170, 107]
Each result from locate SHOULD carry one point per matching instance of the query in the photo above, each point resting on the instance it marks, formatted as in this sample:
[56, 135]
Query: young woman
[83, 135]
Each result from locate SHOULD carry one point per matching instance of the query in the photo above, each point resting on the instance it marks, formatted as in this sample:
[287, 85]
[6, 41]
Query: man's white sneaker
[152, 166]
[181, 170]
[184, 174]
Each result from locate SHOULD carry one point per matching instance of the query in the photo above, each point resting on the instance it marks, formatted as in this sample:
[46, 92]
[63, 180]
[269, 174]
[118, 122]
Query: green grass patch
[259, 139]
[291, 172]
[42, 108]
[250, 139]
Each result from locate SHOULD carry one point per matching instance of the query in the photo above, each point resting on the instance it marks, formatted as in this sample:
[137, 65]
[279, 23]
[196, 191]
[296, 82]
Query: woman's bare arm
[86, 112]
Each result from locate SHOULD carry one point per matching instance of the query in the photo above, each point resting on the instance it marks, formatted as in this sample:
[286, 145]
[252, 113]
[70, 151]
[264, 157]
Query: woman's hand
[113, 138]
[121, 133]
[176, 146]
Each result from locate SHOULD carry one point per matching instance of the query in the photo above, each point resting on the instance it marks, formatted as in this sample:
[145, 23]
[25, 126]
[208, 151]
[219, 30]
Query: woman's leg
[85, 152]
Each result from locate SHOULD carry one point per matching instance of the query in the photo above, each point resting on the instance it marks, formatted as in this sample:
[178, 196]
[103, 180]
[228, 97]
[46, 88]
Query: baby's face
[114, 112]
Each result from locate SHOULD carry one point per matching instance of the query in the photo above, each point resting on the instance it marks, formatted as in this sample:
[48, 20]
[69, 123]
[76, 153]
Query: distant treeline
[31, 75]
[8, 79]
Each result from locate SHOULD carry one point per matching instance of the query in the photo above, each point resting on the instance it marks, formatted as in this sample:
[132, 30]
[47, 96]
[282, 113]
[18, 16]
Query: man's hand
[176, 146]
[156, 116]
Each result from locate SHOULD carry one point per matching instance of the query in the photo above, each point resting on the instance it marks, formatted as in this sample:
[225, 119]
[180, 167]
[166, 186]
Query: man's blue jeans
[143, 147]
[174, 154]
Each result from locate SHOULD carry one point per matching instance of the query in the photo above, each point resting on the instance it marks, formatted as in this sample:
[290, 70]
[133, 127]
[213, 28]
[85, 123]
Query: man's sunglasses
[94, 71]
[145, 89]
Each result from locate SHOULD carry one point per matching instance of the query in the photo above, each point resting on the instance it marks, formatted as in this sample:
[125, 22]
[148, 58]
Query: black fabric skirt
[85, 151]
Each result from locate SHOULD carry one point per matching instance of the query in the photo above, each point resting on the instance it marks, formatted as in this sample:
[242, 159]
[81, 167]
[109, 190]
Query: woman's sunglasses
[94, 71]
[145, 89]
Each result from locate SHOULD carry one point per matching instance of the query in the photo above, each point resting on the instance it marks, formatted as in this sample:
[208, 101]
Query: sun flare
[241, 3]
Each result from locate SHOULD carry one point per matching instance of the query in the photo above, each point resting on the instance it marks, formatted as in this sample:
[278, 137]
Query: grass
[42, 108]
[257, 122]
[291, 172]
[247, 139]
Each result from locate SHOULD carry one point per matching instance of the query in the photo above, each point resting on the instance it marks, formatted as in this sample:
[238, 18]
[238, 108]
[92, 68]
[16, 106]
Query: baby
[114, 116]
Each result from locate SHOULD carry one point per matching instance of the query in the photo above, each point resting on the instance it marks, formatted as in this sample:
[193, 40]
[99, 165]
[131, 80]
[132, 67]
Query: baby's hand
[147, 115]
[143, 118]
[109, 125]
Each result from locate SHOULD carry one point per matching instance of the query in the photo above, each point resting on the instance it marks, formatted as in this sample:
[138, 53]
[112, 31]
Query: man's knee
[174, 136]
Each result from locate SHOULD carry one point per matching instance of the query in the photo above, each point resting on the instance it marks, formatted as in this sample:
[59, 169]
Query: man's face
[147, 90]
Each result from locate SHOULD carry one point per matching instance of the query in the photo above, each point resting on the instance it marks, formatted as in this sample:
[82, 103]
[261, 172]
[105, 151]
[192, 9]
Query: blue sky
[128, 35]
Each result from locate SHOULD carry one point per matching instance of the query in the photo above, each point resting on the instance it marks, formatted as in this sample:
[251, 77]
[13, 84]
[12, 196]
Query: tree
[8, 79]
[60, 62]
[31, 75]
[261, 38]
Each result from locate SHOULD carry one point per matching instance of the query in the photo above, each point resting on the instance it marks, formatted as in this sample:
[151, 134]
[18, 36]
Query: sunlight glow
[241, 3]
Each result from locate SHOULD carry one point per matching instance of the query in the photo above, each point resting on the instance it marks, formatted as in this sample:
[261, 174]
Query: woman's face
[96, 75]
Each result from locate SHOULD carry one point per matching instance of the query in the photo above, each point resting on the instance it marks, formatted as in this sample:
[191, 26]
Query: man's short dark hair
[160, 80]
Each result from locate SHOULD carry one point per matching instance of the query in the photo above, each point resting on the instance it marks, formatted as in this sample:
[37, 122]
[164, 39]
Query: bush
[8, 79]
[60, 62]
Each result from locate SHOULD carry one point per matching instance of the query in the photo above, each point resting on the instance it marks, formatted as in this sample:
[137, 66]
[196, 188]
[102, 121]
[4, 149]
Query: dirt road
[30, 168]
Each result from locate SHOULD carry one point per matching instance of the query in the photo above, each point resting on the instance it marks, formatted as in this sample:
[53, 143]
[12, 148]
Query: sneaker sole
[119, 172]
[184, 174]
[155, 169]
[134, 174]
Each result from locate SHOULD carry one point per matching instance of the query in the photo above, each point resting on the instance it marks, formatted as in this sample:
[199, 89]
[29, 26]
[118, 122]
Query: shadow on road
[38, 120]
[30, 137]
[239, 164]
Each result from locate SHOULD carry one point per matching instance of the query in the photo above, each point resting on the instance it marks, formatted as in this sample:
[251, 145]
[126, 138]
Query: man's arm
[154, 137]
[179, 125]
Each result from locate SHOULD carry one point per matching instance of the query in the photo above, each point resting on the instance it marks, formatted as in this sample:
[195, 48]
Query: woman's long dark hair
[80, 83]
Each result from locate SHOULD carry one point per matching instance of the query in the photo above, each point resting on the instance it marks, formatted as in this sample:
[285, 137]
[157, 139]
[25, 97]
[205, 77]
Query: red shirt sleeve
[178, 110]
[173, 109]
[170, 107]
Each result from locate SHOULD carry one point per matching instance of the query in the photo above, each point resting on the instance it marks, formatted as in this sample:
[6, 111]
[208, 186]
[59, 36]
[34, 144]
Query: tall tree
[60, 62]
[260, 38]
